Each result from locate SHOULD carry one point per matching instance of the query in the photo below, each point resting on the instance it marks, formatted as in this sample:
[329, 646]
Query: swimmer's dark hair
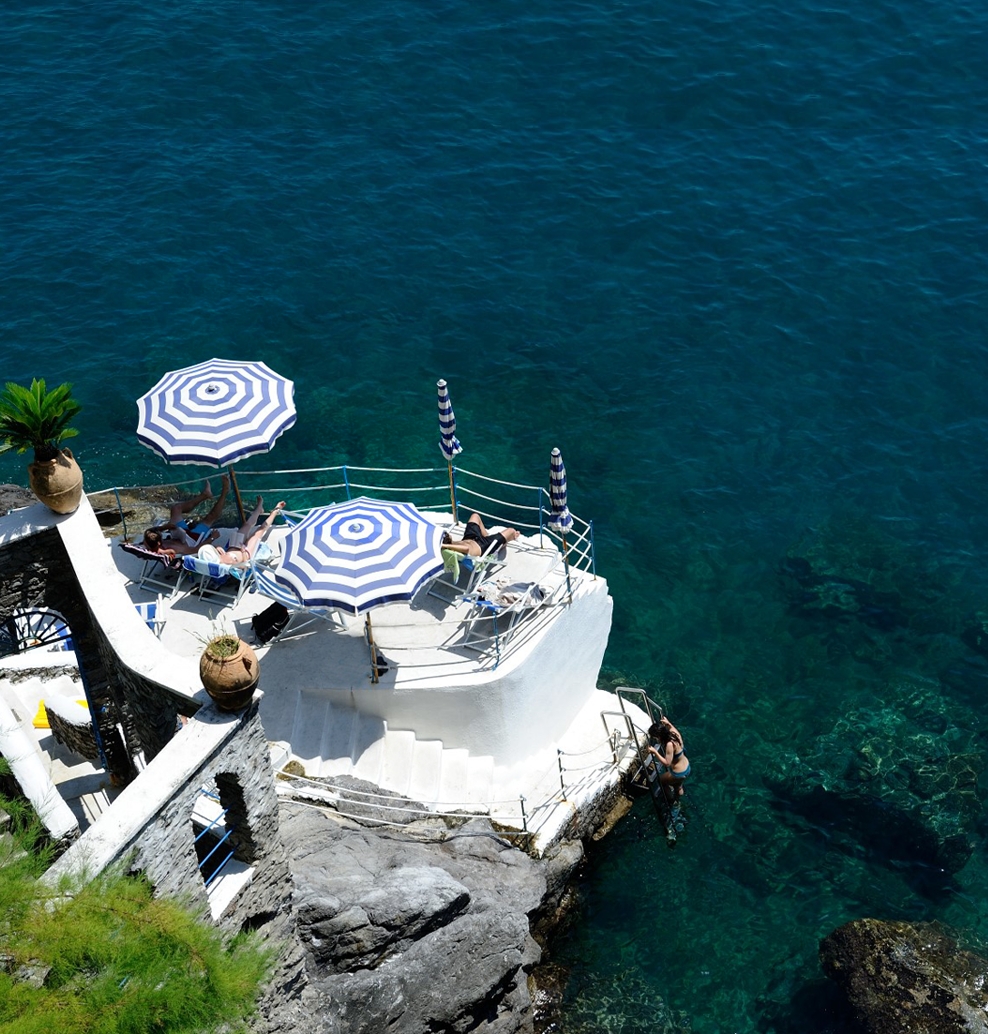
[152, 539]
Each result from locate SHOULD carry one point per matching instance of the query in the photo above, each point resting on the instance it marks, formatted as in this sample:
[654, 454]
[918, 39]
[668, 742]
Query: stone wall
[150, 825]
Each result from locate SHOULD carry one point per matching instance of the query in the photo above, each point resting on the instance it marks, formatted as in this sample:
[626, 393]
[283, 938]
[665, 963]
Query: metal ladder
[646, 776]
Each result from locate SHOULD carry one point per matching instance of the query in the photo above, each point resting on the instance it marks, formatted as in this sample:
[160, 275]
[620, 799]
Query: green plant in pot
[38, 419]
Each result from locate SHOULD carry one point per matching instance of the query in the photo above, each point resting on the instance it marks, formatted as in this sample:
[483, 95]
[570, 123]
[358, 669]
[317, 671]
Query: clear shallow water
[730, 258]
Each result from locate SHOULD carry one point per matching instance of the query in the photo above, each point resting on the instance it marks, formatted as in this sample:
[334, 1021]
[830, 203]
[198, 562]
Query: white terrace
[466, 714]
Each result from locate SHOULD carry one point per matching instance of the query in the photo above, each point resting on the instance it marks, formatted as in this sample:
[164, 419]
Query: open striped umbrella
[216, 413]
[448, 442]
[359, 555]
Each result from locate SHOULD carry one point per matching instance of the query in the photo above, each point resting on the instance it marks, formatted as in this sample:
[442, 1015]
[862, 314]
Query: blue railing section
[525, 507]
[209, 872]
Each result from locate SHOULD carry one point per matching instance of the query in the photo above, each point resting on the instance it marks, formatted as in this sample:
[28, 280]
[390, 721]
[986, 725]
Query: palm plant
[35, 418]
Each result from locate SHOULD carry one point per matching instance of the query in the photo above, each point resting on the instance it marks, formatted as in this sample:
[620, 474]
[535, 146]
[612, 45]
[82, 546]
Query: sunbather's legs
[183, 506]
[262, 529]
[217, 511]
[510, 534]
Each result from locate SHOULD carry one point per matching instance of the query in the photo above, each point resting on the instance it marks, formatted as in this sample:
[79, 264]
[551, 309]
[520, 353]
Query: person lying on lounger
[477, 540]
[181, 535]
[251, 534]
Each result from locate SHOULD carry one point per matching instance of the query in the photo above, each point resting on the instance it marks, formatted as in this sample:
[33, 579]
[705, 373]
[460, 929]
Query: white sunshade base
[216, 412]
[361, 554]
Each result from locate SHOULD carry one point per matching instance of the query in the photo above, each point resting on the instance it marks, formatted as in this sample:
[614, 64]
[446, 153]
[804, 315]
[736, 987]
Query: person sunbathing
[180, 535]
[477, 540]
[251, 534]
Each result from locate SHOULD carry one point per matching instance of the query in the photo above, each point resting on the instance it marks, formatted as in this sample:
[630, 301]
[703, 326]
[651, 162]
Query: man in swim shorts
[477, 540]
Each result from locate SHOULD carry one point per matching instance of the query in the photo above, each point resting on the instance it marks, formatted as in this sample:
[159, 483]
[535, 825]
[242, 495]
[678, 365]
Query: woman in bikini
[252, 533]
[669, 751]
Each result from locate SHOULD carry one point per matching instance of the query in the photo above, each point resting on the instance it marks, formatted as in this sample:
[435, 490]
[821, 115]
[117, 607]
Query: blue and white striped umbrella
[561, 519]
[216, 413]
[360, 554]
[448, 443]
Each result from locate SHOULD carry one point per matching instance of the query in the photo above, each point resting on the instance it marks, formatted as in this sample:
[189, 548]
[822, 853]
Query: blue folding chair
[264, 582]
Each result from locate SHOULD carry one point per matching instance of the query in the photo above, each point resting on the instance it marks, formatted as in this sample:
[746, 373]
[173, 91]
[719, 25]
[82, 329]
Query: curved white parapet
[113, 610]
[28, 769]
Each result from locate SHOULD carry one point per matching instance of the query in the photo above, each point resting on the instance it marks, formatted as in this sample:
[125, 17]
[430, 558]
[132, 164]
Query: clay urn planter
[38, 419]
[57, 482]
[229, 670]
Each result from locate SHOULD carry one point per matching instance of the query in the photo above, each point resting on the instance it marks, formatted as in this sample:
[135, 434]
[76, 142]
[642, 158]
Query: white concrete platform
[458, 720]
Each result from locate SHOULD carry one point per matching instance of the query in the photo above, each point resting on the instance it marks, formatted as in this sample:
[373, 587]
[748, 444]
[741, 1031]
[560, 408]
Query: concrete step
[480, 779]
[307, 731]
[399, 751]
[279, 722]
[337, 742]
[427, 765]
[369, 748]
[453, 778]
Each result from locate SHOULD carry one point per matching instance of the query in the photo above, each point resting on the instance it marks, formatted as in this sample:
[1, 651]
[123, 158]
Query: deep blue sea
[731, 258]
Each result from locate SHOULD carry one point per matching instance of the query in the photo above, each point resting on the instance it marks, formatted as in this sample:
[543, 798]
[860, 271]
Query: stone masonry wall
[150, 823]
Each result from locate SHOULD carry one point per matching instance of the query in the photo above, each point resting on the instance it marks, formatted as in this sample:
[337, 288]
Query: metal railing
[210, 869]
[525, 507]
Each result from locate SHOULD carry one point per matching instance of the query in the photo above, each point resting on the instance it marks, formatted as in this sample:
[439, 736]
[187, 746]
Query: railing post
[123, 519]
[593, 558]
[524, 817]
[346, 482]
[540, 491]
[562, 781]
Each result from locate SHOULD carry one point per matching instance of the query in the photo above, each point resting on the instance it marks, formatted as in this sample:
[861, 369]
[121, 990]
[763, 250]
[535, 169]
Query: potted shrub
[38, 419]
[229, 671]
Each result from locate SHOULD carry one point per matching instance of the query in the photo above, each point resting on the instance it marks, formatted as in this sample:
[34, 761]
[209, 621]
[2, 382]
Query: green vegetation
[223, 646]
[35, 418]
[109, 958]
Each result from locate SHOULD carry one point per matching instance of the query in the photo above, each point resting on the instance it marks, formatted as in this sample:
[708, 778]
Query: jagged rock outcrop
[902, 977]
[409, 936]
[13, 497]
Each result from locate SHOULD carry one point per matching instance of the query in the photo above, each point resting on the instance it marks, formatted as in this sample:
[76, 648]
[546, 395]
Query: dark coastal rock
[409, 936]
[901, 977]
[13, 497]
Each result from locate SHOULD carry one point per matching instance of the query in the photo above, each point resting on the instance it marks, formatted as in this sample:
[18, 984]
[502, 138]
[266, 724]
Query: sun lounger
[159, 570]
[504, 603]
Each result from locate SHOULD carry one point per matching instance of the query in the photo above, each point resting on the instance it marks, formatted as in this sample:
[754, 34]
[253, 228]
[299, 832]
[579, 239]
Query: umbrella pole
[236, 495]
[452, 491]
[569, 590]
[373, 650]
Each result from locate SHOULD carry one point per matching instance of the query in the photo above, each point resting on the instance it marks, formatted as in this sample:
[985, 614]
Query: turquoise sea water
[730, 257]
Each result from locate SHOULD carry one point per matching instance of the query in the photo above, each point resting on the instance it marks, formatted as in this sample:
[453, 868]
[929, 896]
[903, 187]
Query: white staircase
[330, 740]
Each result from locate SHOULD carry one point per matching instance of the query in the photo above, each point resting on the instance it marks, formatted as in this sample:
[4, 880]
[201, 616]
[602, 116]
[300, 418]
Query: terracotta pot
[58, 482]
[230, 681]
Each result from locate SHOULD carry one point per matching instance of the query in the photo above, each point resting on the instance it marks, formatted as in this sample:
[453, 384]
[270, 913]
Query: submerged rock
[900, 977]
[905, 789]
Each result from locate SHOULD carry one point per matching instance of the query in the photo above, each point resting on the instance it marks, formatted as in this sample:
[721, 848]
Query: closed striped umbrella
[561, 519]
[216, 412]
[448, 442]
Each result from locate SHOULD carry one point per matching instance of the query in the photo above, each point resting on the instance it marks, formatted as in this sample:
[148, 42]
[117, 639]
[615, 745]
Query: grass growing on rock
[110, 958]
